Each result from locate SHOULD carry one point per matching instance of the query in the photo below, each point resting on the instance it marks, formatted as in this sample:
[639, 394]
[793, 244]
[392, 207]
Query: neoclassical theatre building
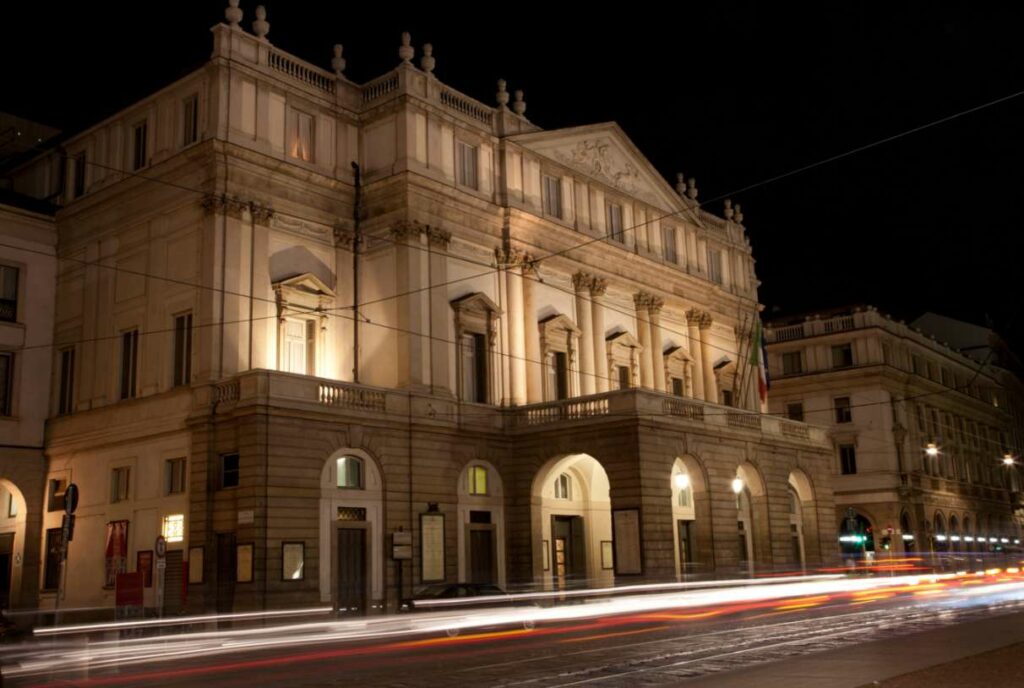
[335, 341]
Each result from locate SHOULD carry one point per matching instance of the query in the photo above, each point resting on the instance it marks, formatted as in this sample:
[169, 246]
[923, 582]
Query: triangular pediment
[305, 282]
[477, 301]
[624, 339]
[605, 154]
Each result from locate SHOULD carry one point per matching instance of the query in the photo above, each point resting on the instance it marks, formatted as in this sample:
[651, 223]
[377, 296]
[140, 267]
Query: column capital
[407, 229]
[649, 302]
[598, 286]
[513, 257]
[582, 280]
[222, 204]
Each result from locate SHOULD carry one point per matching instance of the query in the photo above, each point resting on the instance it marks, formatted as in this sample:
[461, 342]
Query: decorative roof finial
[406, 51]
[427, 62]
[233, 13]
[502, 95]
[728, 209]
[691, 188]
[338, 62]
[260, 25]
[519, 106]
[680, 184]
[739, 214]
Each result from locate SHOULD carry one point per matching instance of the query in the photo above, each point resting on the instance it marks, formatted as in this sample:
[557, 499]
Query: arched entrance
[13, 513]
[572, 512]
[482, 524]
[939, 533]
[856, 536]
[751, 515]
[688, 485]
[801, 515]
[907, 533]
[351, 532]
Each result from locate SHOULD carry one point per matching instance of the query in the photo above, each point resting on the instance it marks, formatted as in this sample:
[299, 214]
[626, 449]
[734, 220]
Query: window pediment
[624, 339]
[476, 303]
[552, 327]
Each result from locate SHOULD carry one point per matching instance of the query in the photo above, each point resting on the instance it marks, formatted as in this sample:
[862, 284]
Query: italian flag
[759, 358]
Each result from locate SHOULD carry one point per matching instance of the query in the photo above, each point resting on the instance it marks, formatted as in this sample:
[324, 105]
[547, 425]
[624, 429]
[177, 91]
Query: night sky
[732, 95]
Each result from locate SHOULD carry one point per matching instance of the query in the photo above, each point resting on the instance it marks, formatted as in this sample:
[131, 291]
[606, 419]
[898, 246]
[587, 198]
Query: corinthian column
[514, 261]
[643, 327]
[531, 333]
[693, 328]
[581, 281]
[708, 359]
[657, 355]
[598, 287]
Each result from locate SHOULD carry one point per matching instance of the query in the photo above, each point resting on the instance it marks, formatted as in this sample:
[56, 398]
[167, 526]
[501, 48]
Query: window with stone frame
[551, 196]
[792, 362]
[623, 354]
[613, 223]
[476, 331]
[678, 371]
[842, 355]
[140, 157]
[301, 126]
[559, 350]
[563, 486]
[467, 161]
[303, 303]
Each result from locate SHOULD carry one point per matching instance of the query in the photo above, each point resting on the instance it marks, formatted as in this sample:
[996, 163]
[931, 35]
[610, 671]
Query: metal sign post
[161, 567]
[67, 532]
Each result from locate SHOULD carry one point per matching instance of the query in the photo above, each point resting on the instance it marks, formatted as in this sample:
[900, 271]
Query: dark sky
[730, 94]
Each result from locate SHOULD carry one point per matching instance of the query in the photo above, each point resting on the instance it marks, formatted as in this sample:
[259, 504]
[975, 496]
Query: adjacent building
[334, 341]
[926, 433]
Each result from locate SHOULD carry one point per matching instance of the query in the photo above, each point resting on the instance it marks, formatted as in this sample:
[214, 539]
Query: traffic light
[886, 543]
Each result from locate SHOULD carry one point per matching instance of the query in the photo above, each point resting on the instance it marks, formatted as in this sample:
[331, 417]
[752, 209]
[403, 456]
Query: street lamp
[737, 484]
[681, 480]
[1008, 459]
[931, 449]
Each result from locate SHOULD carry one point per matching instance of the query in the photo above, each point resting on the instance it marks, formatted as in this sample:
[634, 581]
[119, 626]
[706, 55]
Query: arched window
[350, 473]
[477, 480]
[563, 486]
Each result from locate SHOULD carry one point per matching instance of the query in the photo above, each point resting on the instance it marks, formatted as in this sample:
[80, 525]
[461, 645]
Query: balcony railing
[333, 396]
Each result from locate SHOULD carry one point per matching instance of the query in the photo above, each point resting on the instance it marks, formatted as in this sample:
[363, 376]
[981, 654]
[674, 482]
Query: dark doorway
[569, 555]
[481, 554]
[6, 555]
[352, 570]
[685, 547]
[226, 572]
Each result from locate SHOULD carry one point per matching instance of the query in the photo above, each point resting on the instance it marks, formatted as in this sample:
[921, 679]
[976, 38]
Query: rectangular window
[174, 476]
[119, 484]
[55, 498]
[190, 120]
[299, 346]
[51, 568]
[182, 349]
[552, 196]
[947, 379]
[474, 367]
[466, 169]
[613, 220]
[563, 487]
[624, 377]
[792, 363]
[842, 356]
[301, 127]
[844, 414]
[668, 241]
[139, 158]
[8, 293]
[715, 265]
[561, 369]
[6, 384]
[350, 472]
[677, 387]
[229, 471]
[66, 398]
[174, 527]
[129, 363]
[918, 364]
[477, 480]
[847, 459]
[78, 187]
[726, 397]
[920, 418]
[795, 411]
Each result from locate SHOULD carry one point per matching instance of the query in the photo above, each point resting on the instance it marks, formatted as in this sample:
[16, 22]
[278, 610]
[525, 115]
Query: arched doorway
[572, 512]
[801, 510]
[13, 513]
[939, 533]
[968, 535]
[856, 536]
[351, 532]
[907, 533]
[751, 515]
[954, 534]
[482, 524]
[687, 486]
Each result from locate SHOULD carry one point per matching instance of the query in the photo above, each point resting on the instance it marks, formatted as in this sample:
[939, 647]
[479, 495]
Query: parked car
[462, 594]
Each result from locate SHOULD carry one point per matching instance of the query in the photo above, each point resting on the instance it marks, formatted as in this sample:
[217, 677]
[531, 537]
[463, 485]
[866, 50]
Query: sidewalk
[977, 653]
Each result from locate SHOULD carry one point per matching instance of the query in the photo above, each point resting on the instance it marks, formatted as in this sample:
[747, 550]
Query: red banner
[128, 591]
[117, 550]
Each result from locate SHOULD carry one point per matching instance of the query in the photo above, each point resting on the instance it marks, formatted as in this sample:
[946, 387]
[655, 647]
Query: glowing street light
[737, 484]
[681, 480]
[931, 449]
[1008, 459]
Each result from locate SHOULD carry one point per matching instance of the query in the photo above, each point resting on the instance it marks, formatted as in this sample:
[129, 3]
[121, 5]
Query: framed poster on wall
[432, 546]
[626, 541]
[195, 564]
[243, 563]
